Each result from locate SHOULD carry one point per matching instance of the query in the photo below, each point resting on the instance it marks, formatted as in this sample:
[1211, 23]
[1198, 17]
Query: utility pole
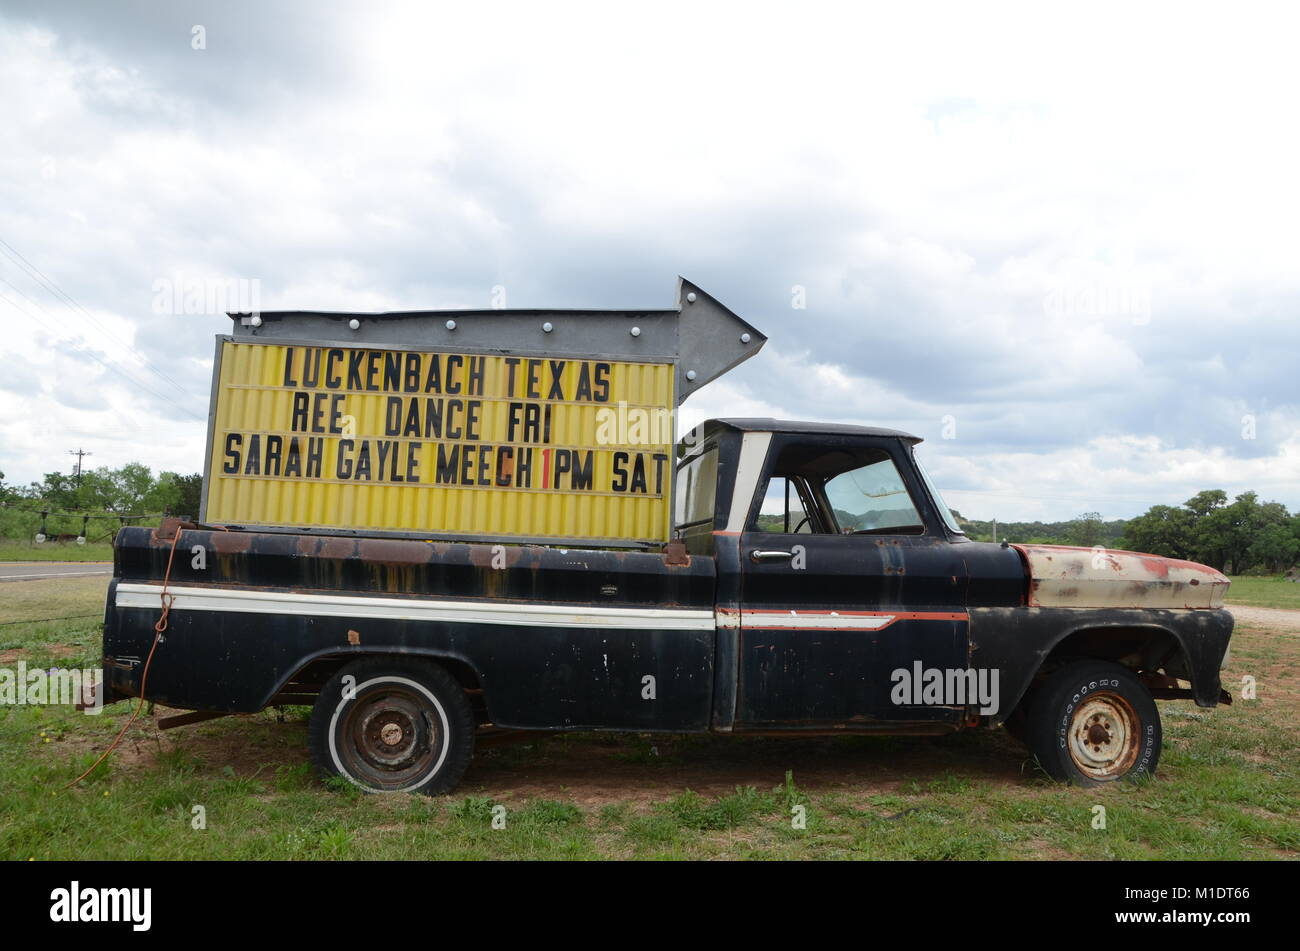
[995, 531]
[76, 470]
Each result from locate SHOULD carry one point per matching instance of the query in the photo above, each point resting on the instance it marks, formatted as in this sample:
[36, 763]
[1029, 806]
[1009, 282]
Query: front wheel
[1093, 722]
[393, 726]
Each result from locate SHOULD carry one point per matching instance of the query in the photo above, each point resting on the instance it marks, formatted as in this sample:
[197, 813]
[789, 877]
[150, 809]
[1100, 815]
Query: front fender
[1017, 640]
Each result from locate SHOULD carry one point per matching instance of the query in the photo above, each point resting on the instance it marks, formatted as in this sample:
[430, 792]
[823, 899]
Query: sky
[1060, 246]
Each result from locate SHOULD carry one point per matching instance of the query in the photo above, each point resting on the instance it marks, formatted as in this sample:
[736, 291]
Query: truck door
[851, 591]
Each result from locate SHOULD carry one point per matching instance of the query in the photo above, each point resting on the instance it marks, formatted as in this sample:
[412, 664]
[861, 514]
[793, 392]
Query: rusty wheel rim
[389, 738]
[1104, 738]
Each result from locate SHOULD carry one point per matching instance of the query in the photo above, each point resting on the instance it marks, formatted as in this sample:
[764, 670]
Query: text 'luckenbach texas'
[949, 687]
[456, 420]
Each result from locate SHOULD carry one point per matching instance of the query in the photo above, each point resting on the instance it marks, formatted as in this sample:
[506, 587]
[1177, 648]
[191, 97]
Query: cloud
[1074, 242]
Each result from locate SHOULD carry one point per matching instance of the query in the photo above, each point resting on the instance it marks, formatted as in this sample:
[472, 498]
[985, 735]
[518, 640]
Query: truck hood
[1064, 577]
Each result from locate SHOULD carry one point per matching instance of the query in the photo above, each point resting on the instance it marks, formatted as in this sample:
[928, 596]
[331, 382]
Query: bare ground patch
[592, 771]
[62, 651]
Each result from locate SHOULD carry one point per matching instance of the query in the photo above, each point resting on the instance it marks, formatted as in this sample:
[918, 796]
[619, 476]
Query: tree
[1229, 537]
[1086, 530]
[94, 491]
[1206, 501]
[1163, 530]
[190, 488]
[1276, 548]
[132, 484]
[163, 495]
[1209, 528]
[1234, 528]
[128, 490]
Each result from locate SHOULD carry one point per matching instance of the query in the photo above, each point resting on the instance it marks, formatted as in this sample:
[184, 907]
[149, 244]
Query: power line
[82, 348]
[1096, 497]
[109, 515]
[38, 275]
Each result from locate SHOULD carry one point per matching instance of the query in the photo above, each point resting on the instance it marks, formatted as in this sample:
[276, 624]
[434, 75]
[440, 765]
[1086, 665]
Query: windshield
[944, 512]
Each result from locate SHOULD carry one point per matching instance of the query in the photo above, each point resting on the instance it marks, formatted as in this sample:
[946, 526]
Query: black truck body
[812, 618]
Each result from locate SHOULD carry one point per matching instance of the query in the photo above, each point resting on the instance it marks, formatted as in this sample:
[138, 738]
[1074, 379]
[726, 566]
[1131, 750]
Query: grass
[27, 550]
[55, 621]
[1274, 592]
[241, 787]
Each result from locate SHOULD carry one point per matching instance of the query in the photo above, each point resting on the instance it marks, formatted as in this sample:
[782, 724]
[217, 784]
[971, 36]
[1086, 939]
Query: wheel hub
[392, 737]
[1103, 739]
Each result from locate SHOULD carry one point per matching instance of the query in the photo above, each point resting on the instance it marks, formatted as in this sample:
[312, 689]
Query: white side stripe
[829, 621]
[244, 601]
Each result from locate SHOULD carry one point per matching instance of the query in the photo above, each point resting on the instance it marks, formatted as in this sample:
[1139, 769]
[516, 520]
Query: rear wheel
[1092, 723]
[393, 726]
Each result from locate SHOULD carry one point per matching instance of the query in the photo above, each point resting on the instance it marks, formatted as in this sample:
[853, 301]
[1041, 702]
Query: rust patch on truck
[1064, 577]
[675, 554]
[231, 543]
[332, 546]
[387, 551]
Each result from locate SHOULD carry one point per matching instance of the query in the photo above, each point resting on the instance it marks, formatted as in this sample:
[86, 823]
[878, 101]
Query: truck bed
[561, 636]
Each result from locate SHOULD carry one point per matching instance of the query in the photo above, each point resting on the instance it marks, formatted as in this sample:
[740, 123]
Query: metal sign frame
[701, 338]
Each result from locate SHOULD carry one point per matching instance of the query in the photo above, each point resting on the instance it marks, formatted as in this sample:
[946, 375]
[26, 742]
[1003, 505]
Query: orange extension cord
[159, 626]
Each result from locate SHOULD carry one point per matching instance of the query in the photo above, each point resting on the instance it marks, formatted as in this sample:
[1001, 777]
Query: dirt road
[1278, 620]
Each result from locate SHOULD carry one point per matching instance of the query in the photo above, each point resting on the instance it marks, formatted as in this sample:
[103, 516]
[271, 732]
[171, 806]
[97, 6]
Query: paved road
[36, 570]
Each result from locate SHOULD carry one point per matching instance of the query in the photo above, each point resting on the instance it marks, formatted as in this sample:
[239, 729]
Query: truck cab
[843, 564]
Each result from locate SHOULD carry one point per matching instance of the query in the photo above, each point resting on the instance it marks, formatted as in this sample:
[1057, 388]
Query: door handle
[759, 555]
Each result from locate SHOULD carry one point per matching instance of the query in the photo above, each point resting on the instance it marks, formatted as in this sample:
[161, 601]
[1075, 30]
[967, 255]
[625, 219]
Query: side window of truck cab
[787, 508]
[697, 486]
[839, 490]
[872, 499]
[696, 497]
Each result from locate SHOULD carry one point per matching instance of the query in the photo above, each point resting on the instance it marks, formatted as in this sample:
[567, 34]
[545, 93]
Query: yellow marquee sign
[443, 444]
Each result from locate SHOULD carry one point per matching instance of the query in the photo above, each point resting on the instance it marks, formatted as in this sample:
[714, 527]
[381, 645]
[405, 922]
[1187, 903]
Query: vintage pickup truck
[815, 583]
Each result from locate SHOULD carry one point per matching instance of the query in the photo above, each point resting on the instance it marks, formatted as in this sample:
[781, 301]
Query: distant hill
[1087, 530]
